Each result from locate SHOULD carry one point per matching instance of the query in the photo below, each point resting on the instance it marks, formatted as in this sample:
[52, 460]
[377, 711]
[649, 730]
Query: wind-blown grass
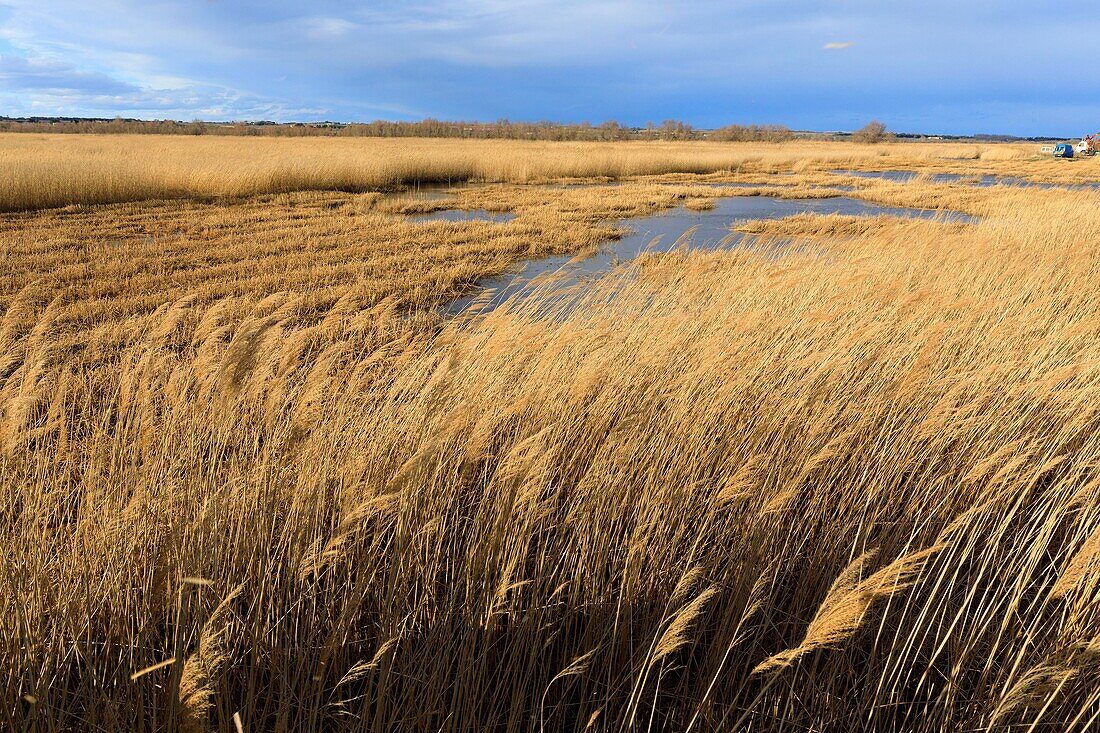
[849, 488]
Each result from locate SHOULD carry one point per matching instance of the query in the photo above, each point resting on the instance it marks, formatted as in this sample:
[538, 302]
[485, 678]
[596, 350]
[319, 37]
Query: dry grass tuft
[698, 204]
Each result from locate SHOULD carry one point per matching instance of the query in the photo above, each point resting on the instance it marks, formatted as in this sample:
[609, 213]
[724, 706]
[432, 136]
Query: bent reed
[838, 480]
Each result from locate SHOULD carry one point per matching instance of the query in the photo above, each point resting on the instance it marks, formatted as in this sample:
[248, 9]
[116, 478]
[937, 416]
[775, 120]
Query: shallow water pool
[661, 232]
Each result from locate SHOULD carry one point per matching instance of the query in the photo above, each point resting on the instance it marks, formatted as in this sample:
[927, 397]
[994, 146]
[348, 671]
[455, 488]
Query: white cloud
[326, 29]
[837, 45]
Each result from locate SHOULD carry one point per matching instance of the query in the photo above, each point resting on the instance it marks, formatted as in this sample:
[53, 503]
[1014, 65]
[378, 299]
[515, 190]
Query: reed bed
[845, 485]
[43, 171]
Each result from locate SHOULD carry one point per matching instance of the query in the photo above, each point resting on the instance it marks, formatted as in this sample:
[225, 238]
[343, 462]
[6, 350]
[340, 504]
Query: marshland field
[835, 470]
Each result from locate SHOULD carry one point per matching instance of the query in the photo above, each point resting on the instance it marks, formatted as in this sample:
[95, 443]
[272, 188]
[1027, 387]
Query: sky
[959, 67]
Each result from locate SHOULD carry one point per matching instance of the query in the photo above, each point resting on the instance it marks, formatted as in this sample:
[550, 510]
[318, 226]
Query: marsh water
[666, 230]
[498, 217]
[681, 227]
[983, 181]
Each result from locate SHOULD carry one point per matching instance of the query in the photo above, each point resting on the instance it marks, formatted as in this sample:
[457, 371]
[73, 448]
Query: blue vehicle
[1063, 150]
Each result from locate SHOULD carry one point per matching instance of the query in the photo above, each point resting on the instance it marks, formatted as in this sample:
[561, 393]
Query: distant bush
[873, 132]
[752, 133]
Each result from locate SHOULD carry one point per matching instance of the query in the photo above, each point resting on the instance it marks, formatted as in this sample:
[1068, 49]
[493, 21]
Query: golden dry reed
[56, 170]
[840, 483]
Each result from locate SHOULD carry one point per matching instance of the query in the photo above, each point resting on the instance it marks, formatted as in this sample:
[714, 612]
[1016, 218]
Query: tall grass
[849, 488]
[42, 171]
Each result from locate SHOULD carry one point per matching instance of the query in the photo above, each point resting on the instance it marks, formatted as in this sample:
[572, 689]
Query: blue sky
[955, 67]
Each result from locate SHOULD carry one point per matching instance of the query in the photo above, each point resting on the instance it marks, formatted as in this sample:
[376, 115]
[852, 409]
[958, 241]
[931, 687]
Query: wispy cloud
[42, 86]
[327, 29]
[838, 45]
[43, 74]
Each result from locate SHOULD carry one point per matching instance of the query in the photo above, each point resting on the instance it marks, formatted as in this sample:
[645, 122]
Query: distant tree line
[501, 129]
